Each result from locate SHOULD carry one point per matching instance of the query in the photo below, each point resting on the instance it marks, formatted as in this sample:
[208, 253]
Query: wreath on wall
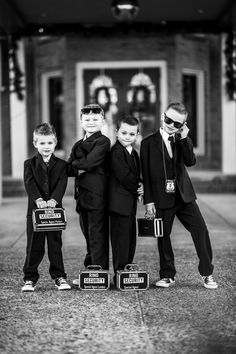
[17, 77]
[106, 92]
[230, 69]
[140, 98]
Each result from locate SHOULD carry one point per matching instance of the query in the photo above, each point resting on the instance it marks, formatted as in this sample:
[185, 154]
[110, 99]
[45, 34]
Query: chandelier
[125, 10]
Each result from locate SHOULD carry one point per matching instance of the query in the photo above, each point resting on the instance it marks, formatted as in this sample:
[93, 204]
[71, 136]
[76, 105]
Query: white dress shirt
[165, 137]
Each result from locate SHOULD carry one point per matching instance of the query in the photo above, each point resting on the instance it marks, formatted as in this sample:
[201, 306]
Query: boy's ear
[34, 143]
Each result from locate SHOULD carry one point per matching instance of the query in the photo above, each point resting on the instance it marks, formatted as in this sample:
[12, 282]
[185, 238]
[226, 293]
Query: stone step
[203, 182]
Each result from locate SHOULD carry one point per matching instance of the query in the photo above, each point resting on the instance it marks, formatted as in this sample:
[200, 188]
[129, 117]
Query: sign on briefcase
[131, 278]
[49, 219]
[150, 227]
[94, 278]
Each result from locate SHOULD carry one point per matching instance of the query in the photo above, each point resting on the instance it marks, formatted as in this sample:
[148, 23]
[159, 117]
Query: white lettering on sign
[50, 216]
[133, 280]
[94, 280]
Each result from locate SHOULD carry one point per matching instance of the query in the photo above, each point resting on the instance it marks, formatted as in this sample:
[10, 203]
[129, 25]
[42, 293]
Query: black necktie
[172, 143]
[134, 161]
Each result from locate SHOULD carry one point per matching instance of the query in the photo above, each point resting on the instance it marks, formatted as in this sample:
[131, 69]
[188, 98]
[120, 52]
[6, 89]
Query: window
[193, 98]
[52, 103]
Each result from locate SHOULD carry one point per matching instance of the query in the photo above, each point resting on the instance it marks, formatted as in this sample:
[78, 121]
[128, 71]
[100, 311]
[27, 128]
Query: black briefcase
[49, 219]
[150, 227]
[131, 278]
[94, 278]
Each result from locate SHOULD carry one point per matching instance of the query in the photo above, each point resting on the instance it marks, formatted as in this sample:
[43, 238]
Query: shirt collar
[129, 148]
[47, 159]
[165, 135]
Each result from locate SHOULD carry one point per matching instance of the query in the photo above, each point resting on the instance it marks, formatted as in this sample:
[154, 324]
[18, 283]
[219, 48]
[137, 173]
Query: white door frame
[45, 94]
[45, 77]
[199, 74]
[1, 148]
[81, 66]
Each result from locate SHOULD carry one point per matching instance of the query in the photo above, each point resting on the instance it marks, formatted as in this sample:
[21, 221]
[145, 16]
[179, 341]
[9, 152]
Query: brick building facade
[183, 67]
[179, 52]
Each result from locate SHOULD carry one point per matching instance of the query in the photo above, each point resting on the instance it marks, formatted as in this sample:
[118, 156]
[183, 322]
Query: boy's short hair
[130, 120]
[90, 107]
[44, 129]
[178, 107]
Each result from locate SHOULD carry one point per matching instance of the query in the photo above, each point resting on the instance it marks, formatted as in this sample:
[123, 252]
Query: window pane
[56, 107]
[189, 84]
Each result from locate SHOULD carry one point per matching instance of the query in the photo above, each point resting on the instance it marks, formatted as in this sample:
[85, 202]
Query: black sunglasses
[95, 110]
[168, 120]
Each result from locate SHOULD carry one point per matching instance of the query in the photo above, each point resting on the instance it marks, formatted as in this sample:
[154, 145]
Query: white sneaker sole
[164, 285]
[211, 286]
[27, 290]
[63, 289]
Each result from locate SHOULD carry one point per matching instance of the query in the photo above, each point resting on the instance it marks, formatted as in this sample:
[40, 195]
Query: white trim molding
[45, 94]
[81, 66]
[199, 74]
[228, 123]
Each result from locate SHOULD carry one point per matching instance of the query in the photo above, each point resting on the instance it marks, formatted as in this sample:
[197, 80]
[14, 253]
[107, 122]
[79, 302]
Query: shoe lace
[210, 278]
[61, 281]
[29, 282]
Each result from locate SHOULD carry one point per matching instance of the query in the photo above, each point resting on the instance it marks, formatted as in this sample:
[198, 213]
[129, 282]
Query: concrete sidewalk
[186, 318]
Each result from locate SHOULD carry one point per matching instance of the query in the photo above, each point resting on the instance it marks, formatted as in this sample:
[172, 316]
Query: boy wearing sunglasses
[88, 164]
[168, 192]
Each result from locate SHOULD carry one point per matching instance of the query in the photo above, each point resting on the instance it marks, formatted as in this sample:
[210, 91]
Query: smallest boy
[124, 188]
[45, 178]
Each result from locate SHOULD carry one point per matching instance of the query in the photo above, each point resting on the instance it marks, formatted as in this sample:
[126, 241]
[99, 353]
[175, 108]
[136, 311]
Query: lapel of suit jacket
[40, 166]
[52, 162]
[41, 173]
[129, 158]
[87, 144]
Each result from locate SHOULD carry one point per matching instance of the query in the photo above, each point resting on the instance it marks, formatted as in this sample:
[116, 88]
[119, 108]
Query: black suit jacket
[124, 180]
[153, 171]
[91, 156]
[44, 182]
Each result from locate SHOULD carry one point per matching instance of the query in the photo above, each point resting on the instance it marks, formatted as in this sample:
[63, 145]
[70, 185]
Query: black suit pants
[123, 239]
[95, 227]
[191, 218]
[35, 251]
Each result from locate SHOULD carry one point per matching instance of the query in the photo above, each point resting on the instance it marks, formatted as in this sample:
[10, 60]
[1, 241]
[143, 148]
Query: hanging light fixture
[125, 10]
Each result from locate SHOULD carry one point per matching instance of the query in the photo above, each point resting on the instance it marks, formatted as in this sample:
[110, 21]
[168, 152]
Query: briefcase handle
[131, 266]
[94, 267]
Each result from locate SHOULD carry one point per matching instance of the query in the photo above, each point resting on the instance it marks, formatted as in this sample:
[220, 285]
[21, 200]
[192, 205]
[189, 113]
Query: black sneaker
[165, 282]
[28, 287]
[61, 284]
[209, 282]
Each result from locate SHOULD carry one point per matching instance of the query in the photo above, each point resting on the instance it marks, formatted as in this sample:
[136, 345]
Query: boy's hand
[140, 189]
[80, 172]
[150, 211]
[51, 203]
[41, 204]
[184, 131]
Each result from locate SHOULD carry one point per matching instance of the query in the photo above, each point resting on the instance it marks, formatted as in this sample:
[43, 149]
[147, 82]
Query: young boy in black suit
[88, 164]
[168, 191]
[45, 178]
[124, 188]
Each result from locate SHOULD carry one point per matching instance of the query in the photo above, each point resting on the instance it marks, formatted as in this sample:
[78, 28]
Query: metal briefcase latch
[131, 278]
